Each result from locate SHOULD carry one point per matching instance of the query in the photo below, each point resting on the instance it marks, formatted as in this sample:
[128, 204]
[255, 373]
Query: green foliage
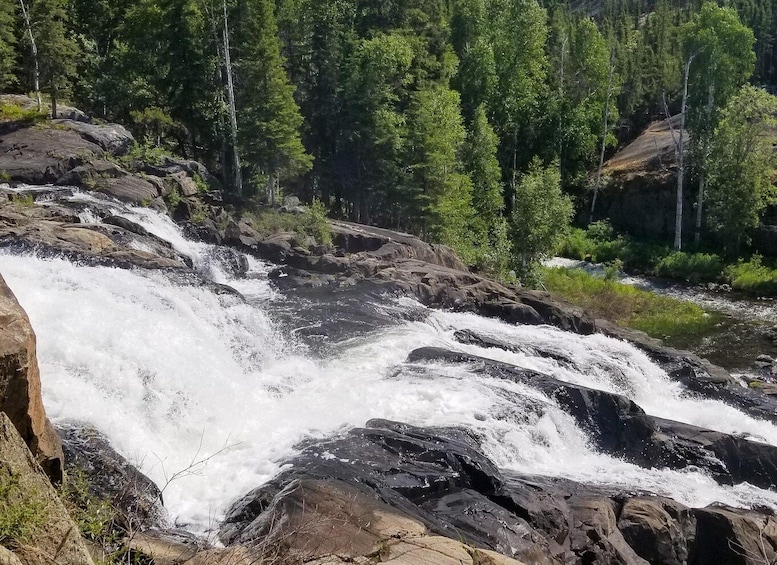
[753, 277]
[14, 113]
[269, 117]
[659, 316]
[7, 44]
[23, 200]
[741, 166]
[579, 84]
[57, 49]
[441, 190]
[22, 509]
[313, 222]
[691, 267]
[94, 517]
[541, 215]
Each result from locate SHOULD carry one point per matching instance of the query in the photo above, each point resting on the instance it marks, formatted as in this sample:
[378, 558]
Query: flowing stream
[208, 394]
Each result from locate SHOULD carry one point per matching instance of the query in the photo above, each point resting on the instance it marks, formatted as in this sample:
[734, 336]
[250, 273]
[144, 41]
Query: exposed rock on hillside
[20, 395]
[54, 537]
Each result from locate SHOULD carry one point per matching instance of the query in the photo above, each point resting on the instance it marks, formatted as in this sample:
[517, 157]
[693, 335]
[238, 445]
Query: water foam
[176, 374]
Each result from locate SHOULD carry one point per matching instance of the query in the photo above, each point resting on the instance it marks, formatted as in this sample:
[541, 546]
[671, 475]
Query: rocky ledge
[390, 489]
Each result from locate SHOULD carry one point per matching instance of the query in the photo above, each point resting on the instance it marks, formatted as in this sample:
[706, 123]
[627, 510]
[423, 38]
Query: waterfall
[214, 392]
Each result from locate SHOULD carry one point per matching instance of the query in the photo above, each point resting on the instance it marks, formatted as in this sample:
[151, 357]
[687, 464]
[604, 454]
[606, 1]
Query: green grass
[22, 510]
[14, 113]
[23, 200]
[658, 316]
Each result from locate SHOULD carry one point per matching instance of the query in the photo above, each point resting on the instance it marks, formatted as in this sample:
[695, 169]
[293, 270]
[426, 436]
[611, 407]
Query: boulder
[113, 138]
[44, 155]
[53, 537]
[726, 536]
[110, 477]
[658, 529]
[133, 189]
[20, 389]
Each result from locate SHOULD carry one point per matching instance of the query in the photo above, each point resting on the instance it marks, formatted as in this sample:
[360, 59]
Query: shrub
[313, 222]
[752, 276]
[692, 267]
[24, 200]
[94, 517]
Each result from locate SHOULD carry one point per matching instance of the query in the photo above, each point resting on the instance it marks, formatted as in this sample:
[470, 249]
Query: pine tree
[269, 117]
[57, 49]
[7, 44]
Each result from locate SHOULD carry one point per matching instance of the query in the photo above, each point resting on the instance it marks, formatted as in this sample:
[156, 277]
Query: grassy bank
[659, 316]
[601, 244]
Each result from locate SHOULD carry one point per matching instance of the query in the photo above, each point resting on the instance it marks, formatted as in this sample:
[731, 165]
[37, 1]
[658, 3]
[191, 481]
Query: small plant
[202, 185]
[174, 198]
[94, 517]
[22, 510]
[5, 176]
[23, 200]
[199, 215]
[313, 222]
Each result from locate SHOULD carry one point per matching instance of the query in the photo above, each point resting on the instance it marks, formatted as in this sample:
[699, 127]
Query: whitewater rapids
[208, 394]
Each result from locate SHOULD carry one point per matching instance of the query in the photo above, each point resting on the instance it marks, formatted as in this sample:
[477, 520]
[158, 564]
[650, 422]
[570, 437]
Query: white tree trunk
[604, 141]
[34, 54]
[231, 99]
[680, 145]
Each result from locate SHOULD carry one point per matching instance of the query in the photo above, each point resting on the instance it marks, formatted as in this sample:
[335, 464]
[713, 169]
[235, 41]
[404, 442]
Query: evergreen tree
[269, 117]
[7, 44]
[57, 49]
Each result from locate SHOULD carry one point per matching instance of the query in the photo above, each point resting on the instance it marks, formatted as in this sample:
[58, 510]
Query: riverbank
[599, 243]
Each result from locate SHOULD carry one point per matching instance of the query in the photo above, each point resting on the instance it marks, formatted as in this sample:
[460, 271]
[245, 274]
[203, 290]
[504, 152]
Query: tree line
[474, 123]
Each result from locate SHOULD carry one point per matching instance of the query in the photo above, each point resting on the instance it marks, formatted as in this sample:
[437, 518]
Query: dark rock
[616, 424]
[112, 478]
[742, 460]
[725, 536]
[43, 155]
[126, 224]
[87, 174]
[595, 537]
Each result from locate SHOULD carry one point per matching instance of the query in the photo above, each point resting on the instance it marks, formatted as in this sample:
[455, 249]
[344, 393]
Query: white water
[176, 374]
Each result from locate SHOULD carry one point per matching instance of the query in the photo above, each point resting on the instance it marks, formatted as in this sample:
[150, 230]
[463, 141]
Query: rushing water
[182, 379]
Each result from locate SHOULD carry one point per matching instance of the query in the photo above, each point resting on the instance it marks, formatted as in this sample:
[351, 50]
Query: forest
[480, 124]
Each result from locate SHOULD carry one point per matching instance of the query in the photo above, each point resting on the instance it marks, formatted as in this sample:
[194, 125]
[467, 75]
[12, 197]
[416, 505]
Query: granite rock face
[20, 393]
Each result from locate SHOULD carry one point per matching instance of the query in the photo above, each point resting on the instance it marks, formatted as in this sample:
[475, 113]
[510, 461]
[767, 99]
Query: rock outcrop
[394, 487]
[20, 394]
[49, 534]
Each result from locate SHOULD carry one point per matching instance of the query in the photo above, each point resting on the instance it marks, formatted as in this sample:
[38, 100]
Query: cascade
[209, 393]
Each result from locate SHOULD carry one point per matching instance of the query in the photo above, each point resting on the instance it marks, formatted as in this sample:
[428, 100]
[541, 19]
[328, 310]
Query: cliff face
[20, 394]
